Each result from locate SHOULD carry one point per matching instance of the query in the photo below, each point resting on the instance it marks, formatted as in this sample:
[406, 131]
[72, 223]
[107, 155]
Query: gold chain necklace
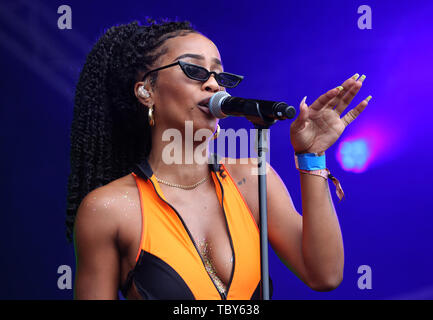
[180, 186]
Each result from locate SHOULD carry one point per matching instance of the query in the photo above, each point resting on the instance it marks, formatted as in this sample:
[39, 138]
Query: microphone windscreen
[215, 104]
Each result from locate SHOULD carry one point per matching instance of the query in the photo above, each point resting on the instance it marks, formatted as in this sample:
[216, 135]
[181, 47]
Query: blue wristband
[310, 161]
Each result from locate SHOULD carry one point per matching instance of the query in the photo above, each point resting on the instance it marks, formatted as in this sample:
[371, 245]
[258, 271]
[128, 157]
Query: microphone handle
[236, 106]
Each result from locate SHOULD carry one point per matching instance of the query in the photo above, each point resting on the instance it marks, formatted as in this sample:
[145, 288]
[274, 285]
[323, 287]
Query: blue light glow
[354, 155]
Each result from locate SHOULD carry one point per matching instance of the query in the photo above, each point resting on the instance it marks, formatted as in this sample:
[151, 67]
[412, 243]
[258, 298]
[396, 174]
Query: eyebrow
[198, 57]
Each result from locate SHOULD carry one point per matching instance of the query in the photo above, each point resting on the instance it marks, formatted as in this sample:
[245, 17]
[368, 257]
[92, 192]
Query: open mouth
[204, 107]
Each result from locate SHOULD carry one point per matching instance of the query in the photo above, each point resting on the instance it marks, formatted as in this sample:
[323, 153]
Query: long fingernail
[303, 101]
[355, 76]
[368, 98]
[340, 88]
[362, 78]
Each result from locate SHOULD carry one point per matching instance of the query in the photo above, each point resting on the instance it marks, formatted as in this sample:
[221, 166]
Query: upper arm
[97, 256]
[285, 226]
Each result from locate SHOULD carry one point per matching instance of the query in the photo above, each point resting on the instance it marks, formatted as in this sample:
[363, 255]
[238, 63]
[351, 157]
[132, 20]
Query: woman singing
[188, 230]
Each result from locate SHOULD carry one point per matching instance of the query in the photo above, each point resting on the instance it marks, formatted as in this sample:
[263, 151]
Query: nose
[211, 84]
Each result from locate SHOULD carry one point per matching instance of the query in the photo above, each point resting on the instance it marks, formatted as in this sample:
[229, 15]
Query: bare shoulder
[245, 175]
[101, 209]
[97, 237]
[244, 171]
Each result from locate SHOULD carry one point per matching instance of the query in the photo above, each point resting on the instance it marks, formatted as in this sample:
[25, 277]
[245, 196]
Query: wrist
[315, 164]
[318, 153]
[310, 161]
[324, 173]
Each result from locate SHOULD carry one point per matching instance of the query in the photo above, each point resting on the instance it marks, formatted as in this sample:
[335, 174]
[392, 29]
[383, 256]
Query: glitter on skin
[132, 205]
[129, 205]
[109, 201]
[205, 250]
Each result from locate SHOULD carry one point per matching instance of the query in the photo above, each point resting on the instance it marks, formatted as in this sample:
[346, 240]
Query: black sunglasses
[195, 72]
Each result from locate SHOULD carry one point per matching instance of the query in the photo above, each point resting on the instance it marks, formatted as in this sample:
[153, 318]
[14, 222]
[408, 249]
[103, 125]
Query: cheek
[176, 94]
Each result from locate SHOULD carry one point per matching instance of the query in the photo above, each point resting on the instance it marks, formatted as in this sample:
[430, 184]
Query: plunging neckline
[214, 277]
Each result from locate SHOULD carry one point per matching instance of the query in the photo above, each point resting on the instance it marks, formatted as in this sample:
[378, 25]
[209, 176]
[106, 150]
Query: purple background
[286, 50]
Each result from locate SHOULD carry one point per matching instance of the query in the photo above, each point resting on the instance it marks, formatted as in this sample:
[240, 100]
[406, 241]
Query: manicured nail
[303, 101]
[340, 88]
[355, 76]
[362, 78]
[368, 98]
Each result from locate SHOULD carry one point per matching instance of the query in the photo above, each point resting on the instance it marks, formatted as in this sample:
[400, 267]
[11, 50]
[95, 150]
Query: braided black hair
[110, 131]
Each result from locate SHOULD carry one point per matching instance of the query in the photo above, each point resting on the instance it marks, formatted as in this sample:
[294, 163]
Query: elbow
[326, 284]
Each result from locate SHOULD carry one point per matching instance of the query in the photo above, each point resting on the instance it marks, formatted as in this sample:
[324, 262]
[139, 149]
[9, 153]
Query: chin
[204, 120]
[209, 124]
[193, 124]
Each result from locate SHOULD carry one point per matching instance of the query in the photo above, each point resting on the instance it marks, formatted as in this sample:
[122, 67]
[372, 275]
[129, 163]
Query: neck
[178, 160]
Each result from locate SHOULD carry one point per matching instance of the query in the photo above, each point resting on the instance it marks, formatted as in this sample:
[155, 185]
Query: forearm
[322, 244]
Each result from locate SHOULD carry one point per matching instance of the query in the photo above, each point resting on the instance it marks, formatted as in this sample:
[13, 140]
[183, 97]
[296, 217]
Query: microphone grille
[215, 104]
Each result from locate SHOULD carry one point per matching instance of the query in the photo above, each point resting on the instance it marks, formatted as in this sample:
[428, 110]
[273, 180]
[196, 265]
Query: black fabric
[156, 280]
[256, 294]
[143, 170]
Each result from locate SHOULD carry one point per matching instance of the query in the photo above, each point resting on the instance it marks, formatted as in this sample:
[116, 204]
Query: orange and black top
[169, 264]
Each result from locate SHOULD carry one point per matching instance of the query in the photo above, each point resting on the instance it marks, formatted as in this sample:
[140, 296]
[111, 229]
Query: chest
[203, 218]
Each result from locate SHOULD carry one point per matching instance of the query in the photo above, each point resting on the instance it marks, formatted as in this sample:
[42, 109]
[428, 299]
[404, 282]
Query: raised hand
[319, 125]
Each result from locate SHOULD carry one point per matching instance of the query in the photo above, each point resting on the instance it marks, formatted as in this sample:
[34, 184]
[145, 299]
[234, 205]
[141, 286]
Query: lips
[204, 109]
[204, 106]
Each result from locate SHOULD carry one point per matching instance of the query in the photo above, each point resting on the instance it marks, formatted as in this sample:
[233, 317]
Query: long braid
[110, 130]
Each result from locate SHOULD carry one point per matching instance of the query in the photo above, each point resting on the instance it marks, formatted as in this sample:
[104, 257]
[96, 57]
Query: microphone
[222, 104]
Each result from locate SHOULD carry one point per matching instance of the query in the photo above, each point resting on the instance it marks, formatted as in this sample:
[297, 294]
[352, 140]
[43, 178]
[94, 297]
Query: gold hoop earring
[217, 132]
[150, 116]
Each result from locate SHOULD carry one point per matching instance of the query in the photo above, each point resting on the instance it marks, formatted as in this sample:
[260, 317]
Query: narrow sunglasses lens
[228, 80]
[195, 72]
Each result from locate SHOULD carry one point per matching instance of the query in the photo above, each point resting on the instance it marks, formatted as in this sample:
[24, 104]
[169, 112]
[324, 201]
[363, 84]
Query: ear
[147, 101]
